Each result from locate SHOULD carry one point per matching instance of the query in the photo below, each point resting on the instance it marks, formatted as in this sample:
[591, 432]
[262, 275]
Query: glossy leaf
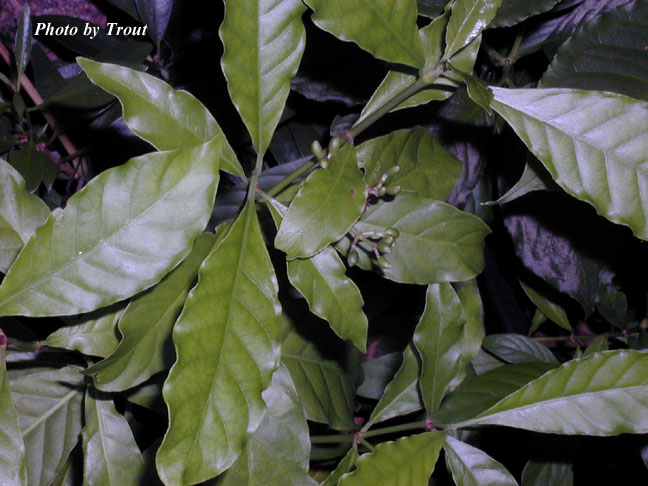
[278, 452]
[438, 340]
[110, 454]
[12, 448]
[593, 144]
[608, 55]
[95, 334]
[543, 473]
[330, 294]
[34, 166]
[600, 394]
[325, 388]
[549, 308]
[472, 467]
[155, 15]
[468, 19]
[515, 348]
[478, 393]
[143, 215]
[426, 167]
[20, 214]
[166, 118]
[401, 395]
[437, 242]
[512, 12]
[385, 28]
[396, 81]
[23, 41]
[146, 325]
[344, 466]
[264, 41]
[46, 402]
[408, 461]
[325, 207]
[226, 355]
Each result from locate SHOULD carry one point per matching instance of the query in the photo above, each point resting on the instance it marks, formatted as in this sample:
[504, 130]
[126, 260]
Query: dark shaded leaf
[542, 473]
[608, 54]
[512, 12]
[23, 41]
[155, 15]
[515, 348]
[34, 166]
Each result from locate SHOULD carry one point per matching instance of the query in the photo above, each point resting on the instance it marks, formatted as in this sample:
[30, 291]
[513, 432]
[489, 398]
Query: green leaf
[344, 466]
[325, 207]
[478, 393]
[593, 144]
[613, 306]
[278, 452]
[437, 242]
[512, 12]
[155, 15]
[426, 167]
[264, 41]
[325, 388]
[438, 340]
[330, 294]
[473, 331]
[515, 348]
[166, 118]
[401, 394]
[608, 55]
[600, 394]
[528, 182]
[110, 454]
[598, 344]
[95, 334]
[408, 461]
[543, 473]
[46, 402]
[146, 325]
[144, 214]
[396, 81]
[23, 41]
[20, 214]
[226, 355]
[549, 308]
[385, 28]
[34, 166]
[472, 467]
[12, 448]
[469, 18]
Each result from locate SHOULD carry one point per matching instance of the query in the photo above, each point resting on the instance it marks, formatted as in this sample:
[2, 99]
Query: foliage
[377, 239]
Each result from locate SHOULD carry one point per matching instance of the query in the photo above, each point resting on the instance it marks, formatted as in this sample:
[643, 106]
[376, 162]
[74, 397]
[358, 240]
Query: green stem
[286, 181]
[254, 179]
[394, 429]
[329, 439]
[392, 103]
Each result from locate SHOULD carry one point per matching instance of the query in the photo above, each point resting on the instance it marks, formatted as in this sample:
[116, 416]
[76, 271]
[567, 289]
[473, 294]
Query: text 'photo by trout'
[324, 243]
[88, 30]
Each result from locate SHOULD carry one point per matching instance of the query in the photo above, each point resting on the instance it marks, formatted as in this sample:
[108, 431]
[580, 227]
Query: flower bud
[352, 258]
[317, 150]
[383, 263]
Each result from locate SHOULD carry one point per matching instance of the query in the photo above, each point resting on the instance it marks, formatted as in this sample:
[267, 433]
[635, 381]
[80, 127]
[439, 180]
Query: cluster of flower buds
[380, 242]
[378, 186]
[322, 155]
